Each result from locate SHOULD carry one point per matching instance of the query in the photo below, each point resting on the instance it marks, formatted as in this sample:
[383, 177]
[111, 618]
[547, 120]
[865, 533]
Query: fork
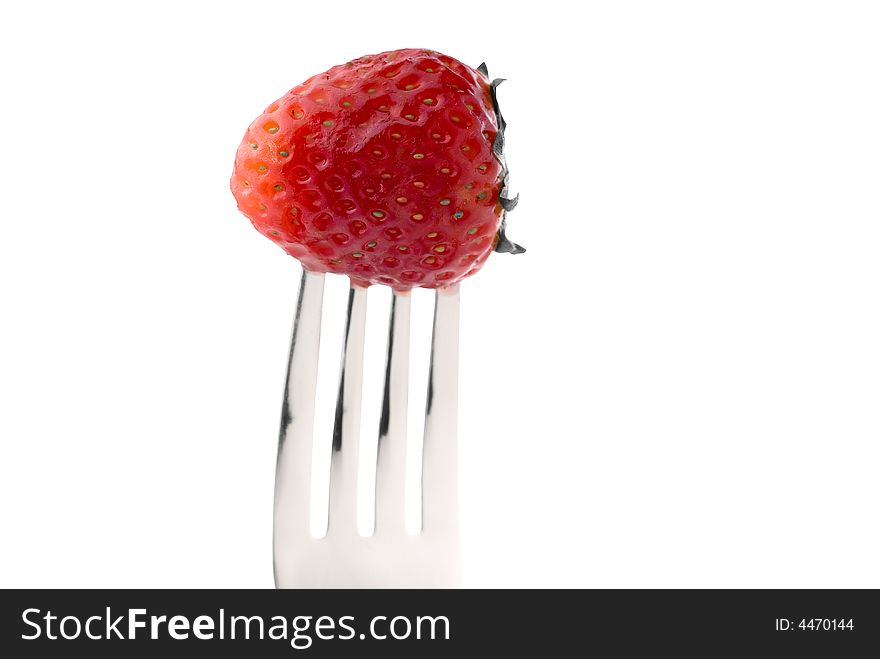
[389, 557]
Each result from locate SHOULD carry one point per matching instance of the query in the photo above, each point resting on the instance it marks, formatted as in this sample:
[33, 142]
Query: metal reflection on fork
[390, 557]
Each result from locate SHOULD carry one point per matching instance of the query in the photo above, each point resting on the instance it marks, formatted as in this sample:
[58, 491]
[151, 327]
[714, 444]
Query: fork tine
[391, 453]
[440, 452]
[293, 469]
[346, 429]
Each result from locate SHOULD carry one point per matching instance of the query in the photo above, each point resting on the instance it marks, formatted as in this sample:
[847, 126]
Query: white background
[676, 386]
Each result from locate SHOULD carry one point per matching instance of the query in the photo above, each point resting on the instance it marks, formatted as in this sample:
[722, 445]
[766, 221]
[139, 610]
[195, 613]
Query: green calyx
[503, 243]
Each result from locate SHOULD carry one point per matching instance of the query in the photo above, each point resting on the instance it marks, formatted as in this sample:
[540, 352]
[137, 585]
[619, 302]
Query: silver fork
[390, 557]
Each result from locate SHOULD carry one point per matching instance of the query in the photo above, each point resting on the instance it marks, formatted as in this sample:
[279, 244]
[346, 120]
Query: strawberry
[387, 169]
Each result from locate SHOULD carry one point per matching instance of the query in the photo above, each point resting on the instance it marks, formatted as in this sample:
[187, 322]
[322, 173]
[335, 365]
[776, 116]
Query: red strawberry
[387, 169]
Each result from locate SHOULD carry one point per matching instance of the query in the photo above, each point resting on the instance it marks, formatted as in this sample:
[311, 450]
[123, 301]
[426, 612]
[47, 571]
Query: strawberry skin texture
[381, 169]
